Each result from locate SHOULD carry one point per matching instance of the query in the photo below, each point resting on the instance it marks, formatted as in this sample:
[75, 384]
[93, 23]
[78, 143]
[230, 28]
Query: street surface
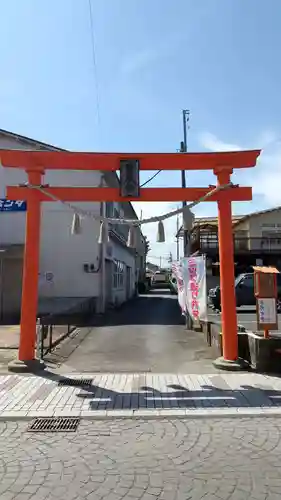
[157, 420]
[147, 334]
[227, 459]
[246, 316]
[139, 394]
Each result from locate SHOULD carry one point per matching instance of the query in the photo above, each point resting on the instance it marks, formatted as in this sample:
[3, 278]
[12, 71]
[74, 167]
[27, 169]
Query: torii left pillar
[29, 299]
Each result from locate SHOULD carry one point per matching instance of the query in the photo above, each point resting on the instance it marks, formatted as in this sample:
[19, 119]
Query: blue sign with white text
[12, 206]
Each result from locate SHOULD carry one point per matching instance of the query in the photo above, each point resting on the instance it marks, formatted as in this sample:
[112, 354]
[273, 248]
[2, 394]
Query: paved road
[147, 334]
[228, 459]
[140, 395]
[246, 316]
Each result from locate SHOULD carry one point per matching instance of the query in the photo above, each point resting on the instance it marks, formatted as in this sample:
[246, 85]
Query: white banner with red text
[195, 289]
[177, 272]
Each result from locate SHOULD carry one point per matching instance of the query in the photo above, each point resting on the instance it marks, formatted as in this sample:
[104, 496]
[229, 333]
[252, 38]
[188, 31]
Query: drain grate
[76, 382]
[54, 424]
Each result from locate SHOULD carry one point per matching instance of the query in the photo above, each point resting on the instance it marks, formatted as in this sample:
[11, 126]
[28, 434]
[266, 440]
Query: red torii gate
[35, 163]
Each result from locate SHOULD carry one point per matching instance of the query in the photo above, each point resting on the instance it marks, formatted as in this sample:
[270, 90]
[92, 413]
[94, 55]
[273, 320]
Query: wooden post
[228, 299]
[29, 300]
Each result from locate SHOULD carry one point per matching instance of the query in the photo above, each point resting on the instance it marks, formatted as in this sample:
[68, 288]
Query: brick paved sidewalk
[136, 459]
[130, 395]
[129, 459]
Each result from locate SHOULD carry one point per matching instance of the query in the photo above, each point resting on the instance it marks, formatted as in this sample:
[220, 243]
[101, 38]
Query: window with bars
[271, 238]
[109, 209]
[118, 274]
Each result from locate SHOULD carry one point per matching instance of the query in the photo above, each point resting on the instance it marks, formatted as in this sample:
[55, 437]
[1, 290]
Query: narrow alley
[147, 334]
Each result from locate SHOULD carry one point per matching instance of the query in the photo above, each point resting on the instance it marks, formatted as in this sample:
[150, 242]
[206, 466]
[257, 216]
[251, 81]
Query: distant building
[256, 238]
[70, 266]
[151, 267]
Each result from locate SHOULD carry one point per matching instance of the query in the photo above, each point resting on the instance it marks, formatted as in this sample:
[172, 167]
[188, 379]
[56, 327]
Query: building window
[271, 225]
[109, 209]
[271, 238]
[118, 274]
[241, 239]
[209, 239]
[121, 229]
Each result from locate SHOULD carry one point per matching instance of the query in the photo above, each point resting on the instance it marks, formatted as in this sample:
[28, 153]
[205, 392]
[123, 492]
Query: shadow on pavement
[145, 310]
[181, 397]
[178, 396]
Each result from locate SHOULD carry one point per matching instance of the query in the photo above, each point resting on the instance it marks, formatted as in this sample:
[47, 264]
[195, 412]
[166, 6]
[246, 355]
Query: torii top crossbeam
[35, 163]
[64, 160]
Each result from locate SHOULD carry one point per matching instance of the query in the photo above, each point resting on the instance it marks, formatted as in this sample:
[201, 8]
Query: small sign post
[266, 293]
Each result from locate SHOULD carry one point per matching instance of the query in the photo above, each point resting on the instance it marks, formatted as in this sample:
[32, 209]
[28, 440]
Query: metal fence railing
[50, 335]
[67, 314]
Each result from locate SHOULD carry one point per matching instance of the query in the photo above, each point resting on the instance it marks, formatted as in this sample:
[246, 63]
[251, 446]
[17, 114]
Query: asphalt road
[227, 459]
[148, 334]
[246, 316]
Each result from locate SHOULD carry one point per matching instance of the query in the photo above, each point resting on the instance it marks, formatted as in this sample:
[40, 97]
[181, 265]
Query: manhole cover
[56, 424]
[76, 382]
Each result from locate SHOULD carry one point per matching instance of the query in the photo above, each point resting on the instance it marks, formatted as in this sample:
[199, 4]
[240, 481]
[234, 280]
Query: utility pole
[186, 246]
[170, 258]
[183, 149]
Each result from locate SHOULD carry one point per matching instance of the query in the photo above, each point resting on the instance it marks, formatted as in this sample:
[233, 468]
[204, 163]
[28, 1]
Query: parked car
[244, 291]
[173, 285]
[159, 280]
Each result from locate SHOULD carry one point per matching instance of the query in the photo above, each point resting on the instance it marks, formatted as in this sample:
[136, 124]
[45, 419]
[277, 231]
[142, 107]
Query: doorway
[128, 282]
[108, 282]
[11, 267]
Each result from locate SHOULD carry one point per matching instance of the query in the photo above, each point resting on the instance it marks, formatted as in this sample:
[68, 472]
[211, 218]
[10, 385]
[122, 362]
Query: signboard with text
[265, 280]
[194, 276]
[12, 206]
[267, 314]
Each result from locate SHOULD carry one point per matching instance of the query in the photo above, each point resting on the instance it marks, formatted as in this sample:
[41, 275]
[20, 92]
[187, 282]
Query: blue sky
[218, 58]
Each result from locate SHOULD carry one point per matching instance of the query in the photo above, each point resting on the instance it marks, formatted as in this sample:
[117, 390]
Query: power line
[150, 179]
[158, 257]
[93, 43]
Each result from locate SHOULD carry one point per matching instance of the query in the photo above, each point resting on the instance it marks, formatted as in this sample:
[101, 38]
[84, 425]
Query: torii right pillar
[230, 359]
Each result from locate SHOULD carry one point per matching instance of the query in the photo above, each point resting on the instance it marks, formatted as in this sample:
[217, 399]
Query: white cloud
[212, 143]
[267, 138]
[146, 56]
[139, 60]
[265, 178]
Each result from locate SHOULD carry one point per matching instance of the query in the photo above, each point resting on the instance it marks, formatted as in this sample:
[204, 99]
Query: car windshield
[238, 279]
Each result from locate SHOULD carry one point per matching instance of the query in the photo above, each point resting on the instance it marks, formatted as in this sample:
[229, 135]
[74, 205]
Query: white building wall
[269, 221]
[64, 255]
[12, 227]
[61, 253]
[123, 255]
[243, 226]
